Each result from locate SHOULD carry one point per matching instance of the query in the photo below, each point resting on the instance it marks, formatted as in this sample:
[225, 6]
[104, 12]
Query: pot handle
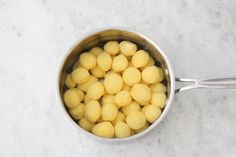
[220, 83]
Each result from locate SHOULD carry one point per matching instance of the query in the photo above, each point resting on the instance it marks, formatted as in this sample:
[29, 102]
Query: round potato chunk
[80, 75]
[136, 120]
[128, 48]
[103, 129]
[152, 75]
[71, 98]
[109, 111]
[108, 99]
[157, 87]
[131, 76]
[133, 106]
[92, 110]
[69, 82]
[98, 72]
[96, 51]
[123, 98]
[113, 83]
[119, 63]
[112, 47]
[80, 93]
[143, 128]
[104, 61]
[141, 93]
[84, 87]
[152, 112]
[86, 124]
[120, 117]
[122, 129]
[87, 60]
[77, 112]
[96, 90]
[140, 58]
[158, 99]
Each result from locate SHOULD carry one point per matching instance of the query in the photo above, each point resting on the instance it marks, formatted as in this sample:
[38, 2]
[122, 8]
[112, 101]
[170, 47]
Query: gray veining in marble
[198, 36]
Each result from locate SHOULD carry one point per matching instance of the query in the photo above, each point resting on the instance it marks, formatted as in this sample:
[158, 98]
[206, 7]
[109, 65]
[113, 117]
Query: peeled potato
[141, 93]
[71, 98]
[152, 74]
[104, 61]
[133, 106]
[80, 93]
[122, 129]
[119, 63]
[151, 62]
[96, 51]
[109, 111]
[157, 87]
[77, 112]
[87, 60]
[84, 87]
[69, 82]
[92, 110]
[113, 83]
[112, 47]
[123, 98]
[131, 76]
[136, 120]
[96, 90]
[158, 99]
[103, 129]
[80, 75]
[98, 72]
[143, 128]
[152, 112]
[119, 117]
[86, 124]
[128, 48]
[140, 58]
[108, 99]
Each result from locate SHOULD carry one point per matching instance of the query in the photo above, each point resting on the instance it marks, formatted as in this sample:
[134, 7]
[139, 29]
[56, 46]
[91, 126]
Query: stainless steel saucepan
[115, 33]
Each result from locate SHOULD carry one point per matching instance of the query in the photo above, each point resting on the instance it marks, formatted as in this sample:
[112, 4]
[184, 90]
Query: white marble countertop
[198, 36]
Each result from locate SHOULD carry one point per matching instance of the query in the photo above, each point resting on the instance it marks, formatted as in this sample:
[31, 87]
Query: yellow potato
[152, 75]
[80, 75]
[96, 51]
[152, 112]
[136, 120]
[112, 47]
[151, 62]
[131, 76]
[77, 112]
[104, 61]
[96, 90]
[84, 86]
[87, 60]
[128, 48]
[140, 58]
[141, 93]
[143, 128]
[126, 87]
[113, 83]
[71, 98]
[86, 124]
[122, 129]
[98, 72]
[120, 117]
[157, 87]
[69, 82]
[133, 106]
[119, 63]
[92, 110]
[108, 99]
[158, 99]
[109, 112]
[123, 98]
[80, 93]
[103, 129]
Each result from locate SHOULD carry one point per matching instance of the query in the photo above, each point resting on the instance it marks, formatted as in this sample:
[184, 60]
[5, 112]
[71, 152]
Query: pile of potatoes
[115, 91]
